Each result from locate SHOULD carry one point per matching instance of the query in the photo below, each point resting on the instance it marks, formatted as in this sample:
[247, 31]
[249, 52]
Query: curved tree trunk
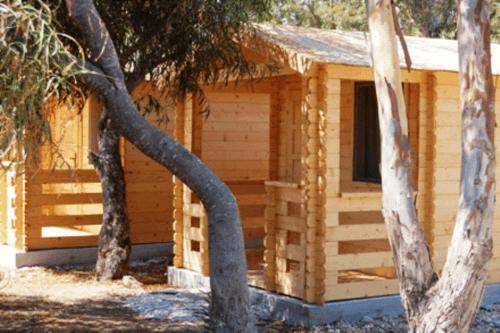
[114, 240]
[450, 303]
[230, 308]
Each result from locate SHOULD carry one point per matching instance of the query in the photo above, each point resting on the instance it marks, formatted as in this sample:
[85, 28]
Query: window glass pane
[366, 147]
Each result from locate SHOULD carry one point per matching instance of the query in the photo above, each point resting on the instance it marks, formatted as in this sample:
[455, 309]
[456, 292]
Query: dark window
[366, 149]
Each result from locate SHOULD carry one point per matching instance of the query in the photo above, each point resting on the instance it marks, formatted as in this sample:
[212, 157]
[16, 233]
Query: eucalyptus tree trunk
[230, 307]
[447, 304]
[114, 236]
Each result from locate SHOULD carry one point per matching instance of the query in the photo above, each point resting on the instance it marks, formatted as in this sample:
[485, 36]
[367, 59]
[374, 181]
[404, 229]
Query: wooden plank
[251, 199]
[291, 223]
[290, 195]
[361, 289]
[359, 260]
[64, 176]
[356, 232]
[65, 220]
[364, 73]
[238, 97]
[62, 242]
[65, 199]
[354, 204]
[3, 207]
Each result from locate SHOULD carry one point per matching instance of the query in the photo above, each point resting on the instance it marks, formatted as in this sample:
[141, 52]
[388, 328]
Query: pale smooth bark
[447, 304]
[410, 250]
[230, 307]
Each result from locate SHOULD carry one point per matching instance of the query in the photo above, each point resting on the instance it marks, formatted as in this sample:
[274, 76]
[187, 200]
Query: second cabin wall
[447, 162]
[358, 259]
[235, 143]
[63, 204]
[235, 139]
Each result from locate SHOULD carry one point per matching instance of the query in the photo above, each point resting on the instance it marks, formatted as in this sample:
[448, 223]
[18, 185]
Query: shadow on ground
[35, 314]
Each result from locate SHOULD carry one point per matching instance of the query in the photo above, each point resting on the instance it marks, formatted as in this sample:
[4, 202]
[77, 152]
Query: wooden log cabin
[300, 150]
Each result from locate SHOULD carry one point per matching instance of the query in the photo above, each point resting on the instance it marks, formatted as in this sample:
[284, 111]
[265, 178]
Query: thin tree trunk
[448, 305]
[114, 239]
[230, 307]
[114, 243]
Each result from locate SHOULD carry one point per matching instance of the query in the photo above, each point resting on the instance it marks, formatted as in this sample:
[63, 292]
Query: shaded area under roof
[351, 47]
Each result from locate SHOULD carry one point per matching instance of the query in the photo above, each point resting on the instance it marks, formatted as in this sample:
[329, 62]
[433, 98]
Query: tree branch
[230, 310]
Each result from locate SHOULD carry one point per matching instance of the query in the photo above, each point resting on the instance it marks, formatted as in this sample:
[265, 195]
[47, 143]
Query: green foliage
[495, 22]
[430, 18]
[331, 14]
[30, 77]
[179, 44]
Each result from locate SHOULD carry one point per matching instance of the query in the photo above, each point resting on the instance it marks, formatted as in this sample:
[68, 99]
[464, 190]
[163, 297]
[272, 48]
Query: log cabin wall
[236, 145]
[63, 205]
[446, 181]
[150, 185]
[233, 136]
[286, 240]
[358, 260]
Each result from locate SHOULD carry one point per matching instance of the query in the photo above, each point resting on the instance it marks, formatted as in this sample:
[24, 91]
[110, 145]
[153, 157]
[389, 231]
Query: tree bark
[114, 243]
[457, 295]
[114, 237]
[410, 250]
[230, 307]
[450, 303]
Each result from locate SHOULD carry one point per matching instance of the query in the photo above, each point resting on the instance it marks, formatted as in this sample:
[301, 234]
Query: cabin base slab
[10, 257]
[292, 311]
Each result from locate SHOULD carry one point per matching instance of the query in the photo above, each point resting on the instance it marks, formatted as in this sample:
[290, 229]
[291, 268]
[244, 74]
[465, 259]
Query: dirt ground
[71, 300]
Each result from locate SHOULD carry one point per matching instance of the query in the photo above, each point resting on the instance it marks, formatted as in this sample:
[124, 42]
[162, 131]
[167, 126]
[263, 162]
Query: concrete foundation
[295, 312]
[10, 257]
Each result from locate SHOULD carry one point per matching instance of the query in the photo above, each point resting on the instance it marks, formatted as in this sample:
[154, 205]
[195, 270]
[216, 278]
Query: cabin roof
[311, 45]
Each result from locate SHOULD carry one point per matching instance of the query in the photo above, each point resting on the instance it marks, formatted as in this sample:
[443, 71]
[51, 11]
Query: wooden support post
[270, 240]
[205, 263]
[19, 201]
[194, 221]
[178, 190]
[426, 141]
[3, 207]
[185, 128]
[274, 137]
[310, 153]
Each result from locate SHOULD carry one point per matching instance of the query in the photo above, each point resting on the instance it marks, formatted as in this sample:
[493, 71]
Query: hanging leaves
[34, 74]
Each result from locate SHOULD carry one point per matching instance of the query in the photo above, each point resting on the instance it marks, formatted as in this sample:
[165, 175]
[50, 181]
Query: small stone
[131, 282]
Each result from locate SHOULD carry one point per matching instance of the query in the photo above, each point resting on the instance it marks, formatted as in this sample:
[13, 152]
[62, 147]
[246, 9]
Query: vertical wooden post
[178, 190]
[426, 140]
[205, 260]
[20, 221]
[274, 137]
[32, 188]
[194, 220]
[3, 207]
[270, 240]
[310, 153]
[332, 99]
[186, 192]
[322, 181]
